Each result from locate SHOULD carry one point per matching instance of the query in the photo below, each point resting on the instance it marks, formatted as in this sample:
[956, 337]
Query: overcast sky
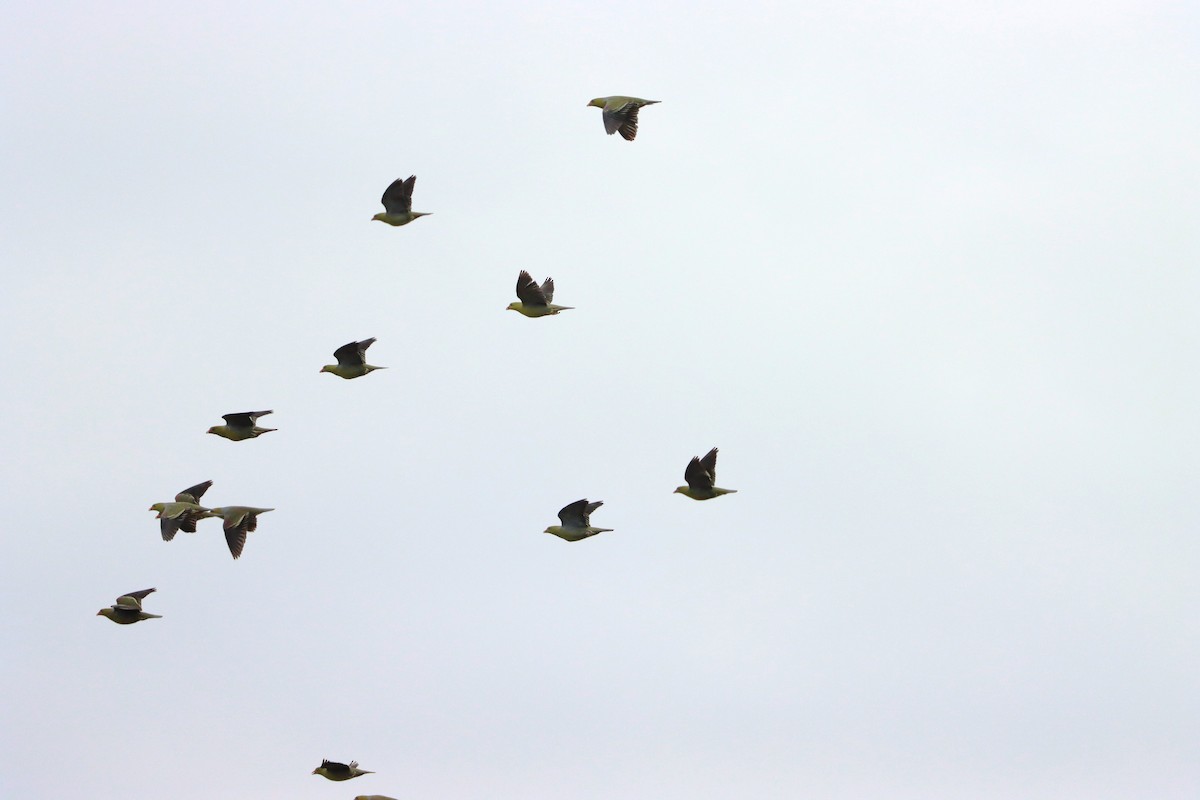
[925, 272]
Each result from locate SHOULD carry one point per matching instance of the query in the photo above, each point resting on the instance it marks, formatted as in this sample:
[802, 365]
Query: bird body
[352, 360]
[183, 513]
[397, 203]
[335, 771]
[128, 609]
[239, 520]
[534, 299]
[701, 477]
[241, 426]
[621, 114]
[576, 521]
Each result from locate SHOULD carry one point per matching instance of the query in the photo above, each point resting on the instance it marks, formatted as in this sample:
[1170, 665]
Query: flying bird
[535, 300]
[397, 203]
[184, 513]
[128, 609]
[576, 521]
[239, 427]
[352, 360]
[621, 114]
[373, 797]
[239, 520]
[701, 475]
[339, 772]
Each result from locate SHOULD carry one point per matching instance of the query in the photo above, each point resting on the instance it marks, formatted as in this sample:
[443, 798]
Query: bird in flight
[397, 203]
[335, 771]
[576, 521]
[184, 513]
[701, 475]
[621, 114]
[534, 299]
[239, 520]
[352, 360]
[239, 427]
[128, 609]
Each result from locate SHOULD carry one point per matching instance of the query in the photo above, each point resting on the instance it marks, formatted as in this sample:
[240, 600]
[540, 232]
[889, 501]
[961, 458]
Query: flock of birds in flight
[620, 115]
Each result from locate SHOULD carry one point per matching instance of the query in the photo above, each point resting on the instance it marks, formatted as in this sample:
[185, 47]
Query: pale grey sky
[925, 272]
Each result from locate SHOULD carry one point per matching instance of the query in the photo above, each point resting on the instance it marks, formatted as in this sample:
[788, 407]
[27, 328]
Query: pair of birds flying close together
[701, 477]
[335, 771]
[186, 511]
[620, 115]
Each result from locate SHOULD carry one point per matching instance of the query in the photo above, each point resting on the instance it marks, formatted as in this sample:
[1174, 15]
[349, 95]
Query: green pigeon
[352, 360]
[397, 203]
[701, 474]
[621, 114]
[184, 513]
[535, 300]
[239, 520]
[340, 772]
[128, 609]
[239, 427]
[576, 521]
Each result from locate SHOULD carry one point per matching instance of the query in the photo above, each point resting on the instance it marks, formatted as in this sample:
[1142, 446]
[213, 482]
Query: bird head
[598, 103]
[159, 507]
[680, 490]
[104, 612]
[513, 307]
[327, 368]
[380, 216]
[213, 429]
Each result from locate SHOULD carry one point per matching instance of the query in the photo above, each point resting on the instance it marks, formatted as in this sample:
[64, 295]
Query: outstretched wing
[623, 119]
[397, 198]
[132, 600]
[192, 494]
[577, 514]
[244, 419]
[236, 526]
[701, 473]
[169, 527]
[528, 292]
[354, 353]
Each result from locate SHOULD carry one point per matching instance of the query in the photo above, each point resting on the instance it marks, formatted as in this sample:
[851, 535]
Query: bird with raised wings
[576, 521]
[397, 203]
[336, 771]
[239, 520]
[352, 360]
[534, 299]
[128, 609]
[184, 513]
[701, 477]
[621, 114]
[241, 426]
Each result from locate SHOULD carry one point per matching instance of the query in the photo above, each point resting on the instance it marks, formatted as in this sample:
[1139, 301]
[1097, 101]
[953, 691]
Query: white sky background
[926, 274]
